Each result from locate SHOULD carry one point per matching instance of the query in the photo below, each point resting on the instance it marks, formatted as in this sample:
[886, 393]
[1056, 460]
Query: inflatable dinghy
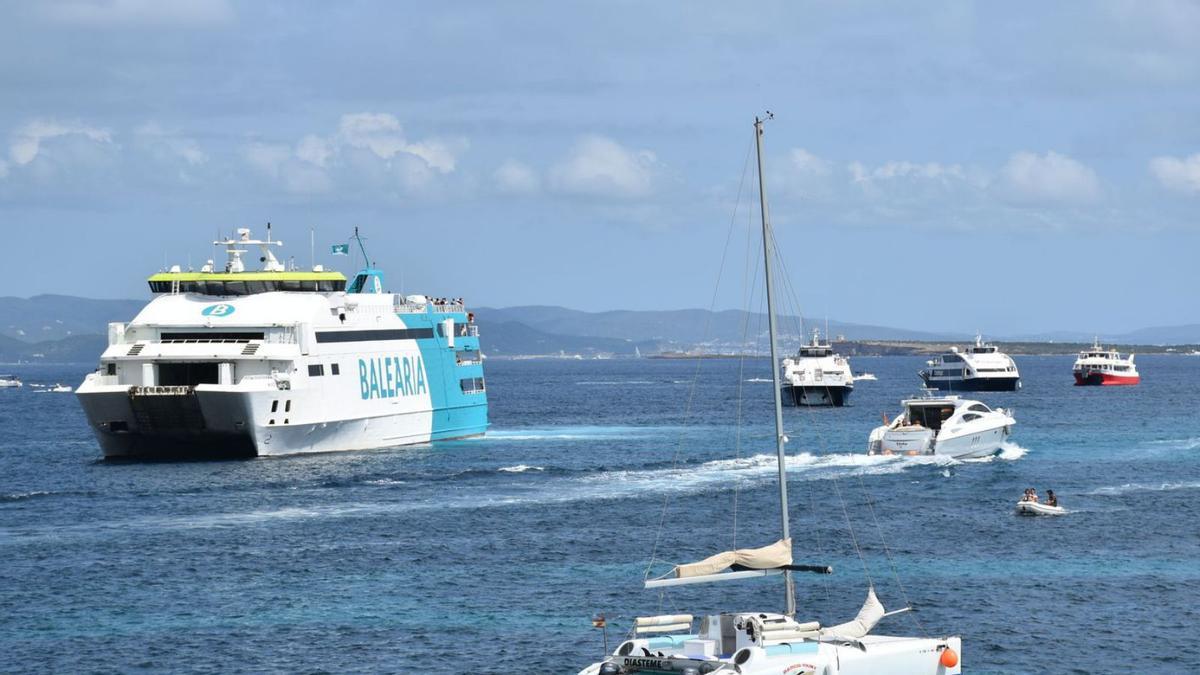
[1039, 509]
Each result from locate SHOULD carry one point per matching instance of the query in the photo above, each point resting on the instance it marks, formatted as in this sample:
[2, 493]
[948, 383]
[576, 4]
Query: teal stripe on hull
[456, 414]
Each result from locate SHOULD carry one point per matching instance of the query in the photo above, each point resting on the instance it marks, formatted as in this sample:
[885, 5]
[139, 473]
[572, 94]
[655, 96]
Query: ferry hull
[1104, 379]
[836, 396]
[974, 384]
[219, 425]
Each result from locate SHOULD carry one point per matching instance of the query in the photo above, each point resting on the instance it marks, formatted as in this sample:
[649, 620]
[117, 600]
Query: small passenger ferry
[280, 360]
[1101, 367]
[817, 376]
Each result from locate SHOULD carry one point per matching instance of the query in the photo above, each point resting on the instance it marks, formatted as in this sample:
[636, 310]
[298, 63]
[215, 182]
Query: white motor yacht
[817, 376]
[10, 382]
[943, 425]
[979, 367]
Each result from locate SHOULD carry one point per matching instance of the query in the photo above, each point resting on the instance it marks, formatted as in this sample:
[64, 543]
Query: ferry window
[290, 285]
[257, 287]
[329, 285]
[471, 385]
[316, 370]
[287, 407]
[951, 358]
[334, 369]
[111, 369]
[275, 405]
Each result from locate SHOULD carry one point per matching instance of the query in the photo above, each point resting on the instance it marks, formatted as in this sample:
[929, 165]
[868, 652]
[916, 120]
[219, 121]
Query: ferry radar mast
[234, 263]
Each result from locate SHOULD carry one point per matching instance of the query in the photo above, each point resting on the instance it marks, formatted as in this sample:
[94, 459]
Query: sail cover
[765, 558]
[870, 614]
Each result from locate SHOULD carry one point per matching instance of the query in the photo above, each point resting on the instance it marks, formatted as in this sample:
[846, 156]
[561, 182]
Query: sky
[1009, 167]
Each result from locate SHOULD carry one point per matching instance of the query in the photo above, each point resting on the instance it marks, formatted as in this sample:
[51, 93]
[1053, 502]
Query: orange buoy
[949, 658]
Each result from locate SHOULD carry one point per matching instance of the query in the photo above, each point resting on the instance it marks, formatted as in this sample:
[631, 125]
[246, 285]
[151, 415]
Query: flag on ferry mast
[598, 622]
[340, 249]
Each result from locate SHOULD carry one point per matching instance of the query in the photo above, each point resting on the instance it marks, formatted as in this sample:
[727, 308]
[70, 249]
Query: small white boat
[1026, 508]
[60, 389]
[9, 382]
[943, 425]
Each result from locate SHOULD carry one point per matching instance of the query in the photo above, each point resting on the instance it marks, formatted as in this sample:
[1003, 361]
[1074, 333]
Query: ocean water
[492, 555]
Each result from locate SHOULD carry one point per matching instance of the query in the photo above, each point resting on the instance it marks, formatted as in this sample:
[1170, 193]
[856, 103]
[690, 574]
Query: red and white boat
[1100, 366]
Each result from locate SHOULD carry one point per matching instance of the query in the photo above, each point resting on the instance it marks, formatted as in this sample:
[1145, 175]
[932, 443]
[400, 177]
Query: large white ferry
[1100, 366]
[980, 367]
[817, 376]
[278, 361]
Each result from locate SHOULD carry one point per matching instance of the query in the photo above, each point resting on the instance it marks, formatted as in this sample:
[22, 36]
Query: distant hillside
[53, 317]
[685, 326]
[73, 349]
[66, 328]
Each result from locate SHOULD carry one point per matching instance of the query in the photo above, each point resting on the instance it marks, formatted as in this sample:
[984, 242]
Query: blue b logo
[218, 310]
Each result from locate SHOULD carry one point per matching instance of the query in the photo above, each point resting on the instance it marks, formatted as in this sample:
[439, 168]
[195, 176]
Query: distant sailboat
[770, 643]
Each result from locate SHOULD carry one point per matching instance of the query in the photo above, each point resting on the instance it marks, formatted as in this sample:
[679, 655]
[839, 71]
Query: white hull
[239, 423]
[1039, 509]
[879, 654]
[947, 426]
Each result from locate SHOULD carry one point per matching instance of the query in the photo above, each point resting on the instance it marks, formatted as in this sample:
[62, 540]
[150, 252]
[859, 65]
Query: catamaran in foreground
[770, 643]
[278, 361]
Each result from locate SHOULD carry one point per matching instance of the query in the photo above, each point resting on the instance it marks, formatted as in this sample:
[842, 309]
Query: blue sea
[492, 555]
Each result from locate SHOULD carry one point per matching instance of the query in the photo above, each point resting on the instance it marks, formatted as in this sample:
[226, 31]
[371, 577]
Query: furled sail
[870, 614]
[774, 556]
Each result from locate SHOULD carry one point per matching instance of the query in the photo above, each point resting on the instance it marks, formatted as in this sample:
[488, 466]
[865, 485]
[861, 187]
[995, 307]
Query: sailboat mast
[768, 256]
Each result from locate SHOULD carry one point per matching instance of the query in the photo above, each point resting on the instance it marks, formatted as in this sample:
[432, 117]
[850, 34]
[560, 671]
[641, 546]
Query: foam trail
[520, 468]
[574, 433]
[1191, 443]
[1009, 452]
[1127, 488]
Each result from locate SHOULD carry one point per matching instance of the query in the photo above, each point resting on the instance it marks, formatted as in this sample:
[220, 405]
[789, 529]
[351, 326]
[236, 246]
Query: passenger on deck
[1051, 500]
[1033, 495]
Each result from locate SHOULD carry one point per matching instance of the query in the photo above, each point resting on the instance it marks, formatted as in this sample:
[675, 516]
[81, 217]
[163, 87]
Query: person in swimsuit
[1051, 500]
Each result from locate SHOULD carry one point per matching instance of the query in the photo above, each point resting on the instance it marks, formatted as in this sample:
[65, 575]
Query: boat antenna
[312, 247]
[359, 239]
[780, 438]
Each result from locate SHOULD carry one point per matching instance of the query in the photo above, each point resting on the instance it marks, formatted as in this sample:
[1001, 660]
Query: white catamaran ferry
[230, 362]
[817, 376]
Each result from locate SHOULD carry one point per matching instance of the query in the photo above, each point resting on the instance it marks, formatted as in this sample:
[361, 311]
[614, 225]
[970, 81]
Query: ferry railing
[472, 330]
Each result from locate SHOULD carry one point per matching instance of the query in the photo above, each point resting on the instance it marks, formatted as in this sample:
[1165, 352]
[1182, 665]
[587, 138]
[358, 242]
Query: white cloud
[513, 177]
[600, 167]
[1181, 175]
[367, 150]
[27, 141]
[383, 135]
[805, 162]
[314, 150]
[171, 144]
[1049, 178]
[139, 12]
